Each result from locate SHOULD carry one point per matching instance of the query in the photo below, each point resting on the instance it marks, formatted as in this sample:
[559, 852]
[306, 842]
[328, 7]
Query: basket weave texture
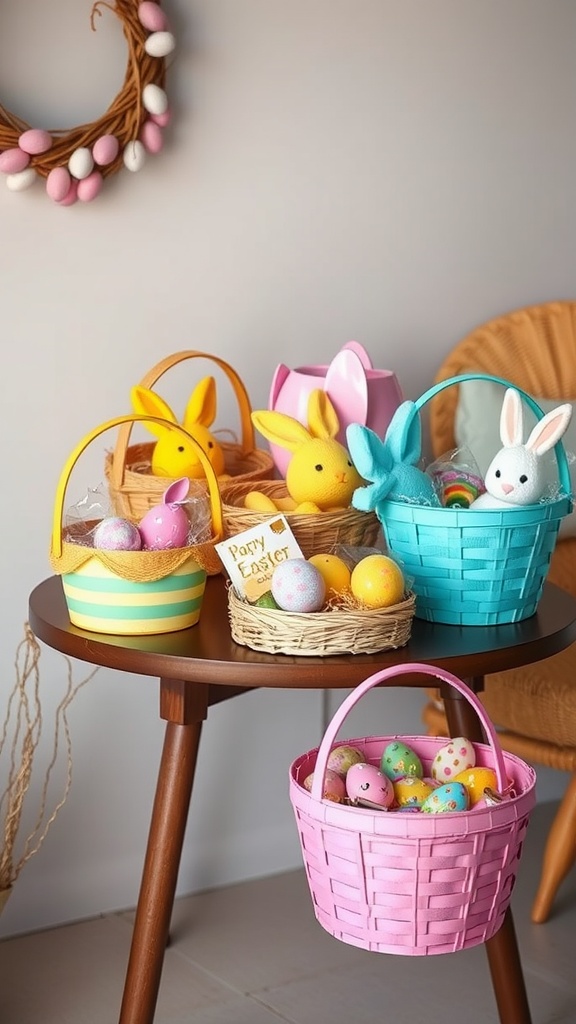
[134, 489]
[406, 882]
[476, 567]
[338, 631]
[316, 533]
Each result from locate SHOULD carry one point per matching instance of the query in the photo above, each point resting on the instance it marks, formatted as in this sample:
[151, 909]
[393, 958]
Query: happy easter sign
[250, 557]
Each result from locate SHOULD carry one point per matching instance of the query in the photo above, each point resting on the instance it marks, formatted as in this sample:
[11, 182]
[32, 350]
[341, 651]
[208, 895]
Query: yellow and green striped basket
[131, 593]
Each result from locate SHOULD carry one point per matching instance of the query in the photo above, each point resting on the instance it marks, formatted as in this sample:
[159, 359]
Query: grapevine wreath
[74, 163]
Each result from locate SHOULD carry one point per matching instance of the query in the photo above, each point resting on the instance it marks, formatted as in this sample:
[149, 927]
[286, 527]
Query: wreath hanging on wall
[75, 162]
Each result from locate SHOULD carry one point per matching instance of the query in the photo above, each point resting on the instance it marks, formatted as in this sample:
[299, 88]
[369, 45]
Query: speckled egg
[411, 791]
[399, 760]
[451, 759]
[446, 799]
[476, 781]
[341, 758]
[368, 786]
[298, 586]
[334, 788]
[116, 534]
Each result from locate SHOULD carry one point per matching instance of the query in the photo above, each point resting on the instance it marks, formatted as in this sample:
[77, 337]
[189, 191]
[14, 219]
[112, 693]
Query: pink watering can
[358, 392]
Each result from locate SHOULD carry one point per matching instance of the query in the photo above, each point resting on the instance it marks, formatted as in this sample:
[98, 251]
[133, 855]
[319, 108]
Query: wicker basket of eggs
[351, 602]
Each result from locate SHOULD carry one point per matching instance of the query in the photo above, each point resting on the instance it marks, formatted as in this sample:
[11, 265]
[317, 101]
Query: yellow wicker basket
[134, 488]
[315, 533]
[341, 630]
[132, 593]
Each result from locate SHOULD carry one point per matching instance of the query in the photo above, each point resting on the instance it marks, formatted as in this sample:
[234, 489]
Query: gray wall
[395, 172]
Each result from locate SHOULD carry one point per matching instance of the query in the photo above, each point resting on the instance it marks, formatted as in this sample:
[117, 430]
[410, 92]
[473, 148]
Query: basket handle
[561, 460]
[117, 468]
[387, 676]
[213, 490]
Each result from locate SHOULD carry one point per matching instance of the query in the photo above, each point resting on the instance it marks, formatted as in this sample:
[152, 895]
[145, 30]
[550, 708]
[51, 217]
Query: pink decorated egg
[13, 160]
[167, 525]
[334, 788]
[454, 757]
[58, 184]
[116, 534]
[105, 150]
[35, 141]
[368, 786]
[298, 586]
[90, 187]
[151, 16]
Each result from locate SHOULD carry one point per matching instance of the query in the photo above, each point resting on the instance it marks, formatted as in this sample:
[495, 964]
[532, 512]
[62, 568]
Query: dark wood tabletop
[206, 652]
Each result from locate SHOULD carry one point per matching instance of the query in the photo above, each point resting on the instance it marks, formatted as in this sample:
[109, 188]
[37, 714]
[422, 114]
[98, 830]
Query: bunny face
[516, 474]
[173, 456]
[322, 471]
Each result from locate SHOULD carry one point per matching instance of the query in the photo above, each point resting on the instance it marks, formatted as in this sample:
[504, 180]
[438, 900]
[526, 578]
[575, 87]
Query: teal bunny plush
[390, 464]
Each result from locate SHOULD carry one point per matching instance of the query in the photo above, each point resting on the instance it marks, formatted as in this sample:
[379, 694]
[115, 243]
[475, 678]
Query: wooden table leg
[166, 836]
[502, 948]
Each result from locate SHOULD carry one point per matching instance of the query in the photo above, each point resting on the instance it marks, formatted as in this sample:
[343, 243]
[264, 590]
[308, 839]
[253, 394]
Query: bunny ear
[280, 374]
[511, 420]
[201, 406]
[322, 418]
[549, 429]
[148, 403]
[347, 387]
[368, 453]
[280, 429]
[404, 435]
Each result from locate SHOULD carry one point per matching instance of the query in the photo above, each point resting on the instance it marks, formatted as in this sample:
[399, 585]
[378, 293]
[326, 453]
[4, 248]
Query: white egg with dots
[298, 586]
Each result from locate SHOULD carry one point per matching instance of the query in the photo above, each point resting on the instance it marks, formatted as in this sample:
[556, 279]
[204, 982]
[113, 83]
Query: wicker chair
[534, 707]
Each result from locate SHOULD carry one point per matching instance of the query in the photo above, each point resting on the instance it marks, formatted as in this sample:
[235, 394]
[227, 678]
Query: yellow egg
[377, 581]
[411, 791]
[476, 781]
[335, 573]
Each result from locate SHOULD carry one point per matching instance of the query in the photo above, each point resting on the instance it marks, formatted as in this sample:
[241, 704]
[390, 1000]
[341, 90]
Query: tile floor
[253, 954]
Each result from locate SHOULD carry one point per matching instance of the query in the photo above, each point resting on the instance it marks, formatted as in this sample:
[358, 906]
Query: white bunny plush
[516, 474]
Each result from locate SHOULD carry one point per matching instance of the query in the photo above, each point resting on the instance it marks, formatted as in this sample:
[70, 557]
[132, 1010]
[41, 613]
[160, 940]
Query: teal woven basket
[477, 568]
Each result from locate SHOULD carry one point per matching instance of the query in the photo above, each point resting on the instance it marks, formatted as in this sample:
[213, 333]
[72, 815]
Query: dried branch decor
[19, 740]
[74, 163]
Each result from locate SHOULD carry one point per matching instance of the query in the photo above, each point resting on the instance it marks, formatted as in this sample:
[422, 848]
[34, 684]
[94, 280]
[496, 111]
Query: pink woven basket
[403, 882]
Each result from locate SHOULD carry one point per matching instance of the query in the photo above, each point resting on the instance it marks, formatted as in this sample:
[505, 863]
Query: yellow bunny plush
[320, 475]
[172, 456]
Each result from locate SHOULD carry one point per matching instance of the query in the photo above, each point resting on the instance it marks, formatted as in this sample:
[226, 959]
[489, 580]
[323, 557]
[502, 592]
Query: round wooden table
[201, 666]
